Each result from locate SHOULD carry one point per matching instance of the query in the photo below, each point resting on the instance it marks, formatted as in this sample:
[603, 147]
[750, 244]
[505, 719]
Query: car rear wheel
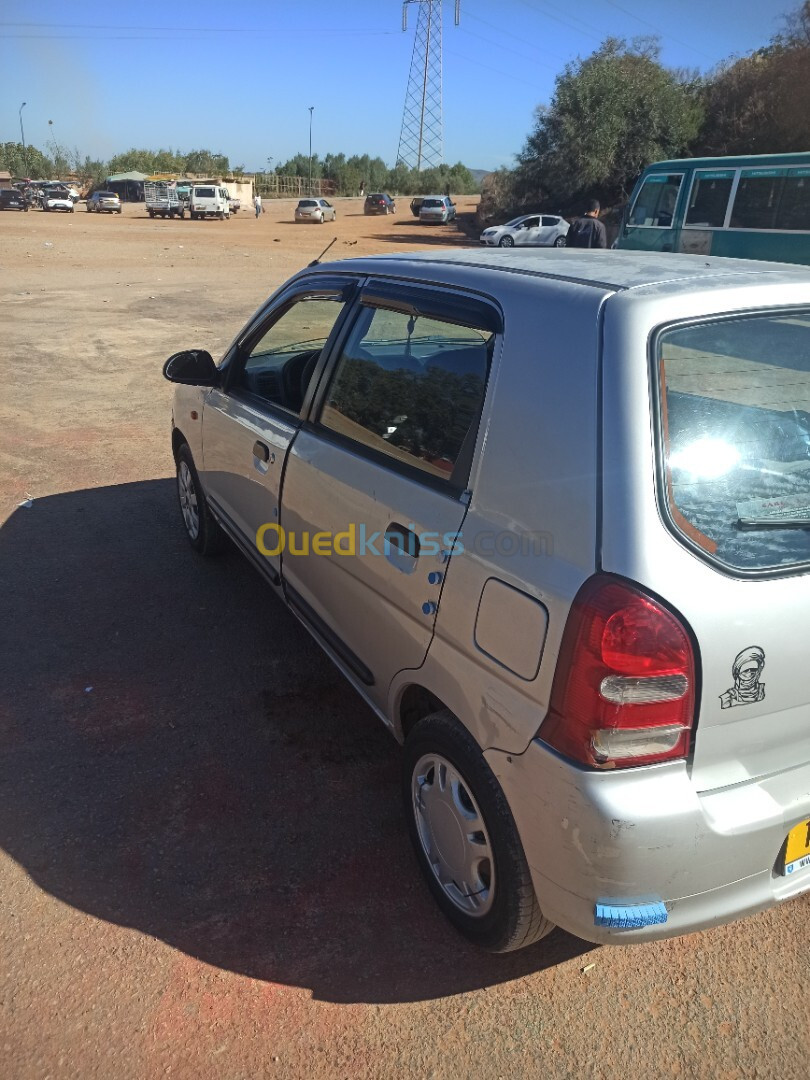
[203, 533]
[506, 241]
[465, 838]
[559, 242]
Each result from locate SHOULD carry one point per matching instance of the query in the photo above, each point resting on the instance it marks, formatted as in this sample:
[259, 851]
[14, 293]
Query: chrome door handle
[261, 451]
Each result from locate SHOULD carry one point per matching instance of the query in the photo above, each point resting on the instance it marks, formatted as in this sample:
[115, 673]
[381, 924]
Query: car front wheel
[202, 530]
[506, 241]
[465, 838]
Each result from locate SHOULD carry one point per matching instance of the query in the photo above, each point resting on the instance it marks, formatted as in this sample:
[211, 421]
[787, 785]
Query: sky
[239, 79]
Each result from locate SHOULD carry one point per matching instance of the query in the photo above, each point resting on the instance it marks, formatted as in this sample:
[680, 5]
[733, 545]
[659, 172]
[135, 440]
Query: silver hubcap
[188, 500]
[453, 835]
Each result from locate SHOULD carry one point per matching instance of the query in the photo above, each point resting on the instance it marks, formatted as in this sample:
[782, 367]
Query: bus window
[756, 203]
[708, 200]
[656, 200]
[794, 211]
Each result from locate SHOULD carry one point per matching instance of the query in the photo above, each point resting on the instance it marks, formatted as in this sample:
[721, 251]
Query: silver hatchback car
[437, 209]
[315, 210]
[570, 571]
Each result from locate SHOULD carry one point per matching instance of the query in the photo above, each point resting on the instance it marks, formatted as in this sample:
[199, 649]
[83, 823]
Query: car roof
[615, 270]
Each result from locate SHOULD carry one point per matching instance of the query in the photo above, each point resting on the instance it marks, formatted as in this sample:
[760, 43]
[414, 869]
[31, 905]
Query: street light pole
[22, 133]
[310, 148]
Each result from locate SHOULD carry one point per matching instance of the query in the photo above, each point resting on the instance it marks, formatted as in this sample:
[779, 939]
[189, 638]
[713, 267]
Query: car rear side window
[411, 388]
[708, 199]
[735, 438]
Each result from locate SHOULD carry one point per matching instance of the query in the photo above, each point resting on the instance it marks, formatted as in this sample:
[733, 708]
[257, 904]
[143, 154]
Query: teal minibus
[755, 207]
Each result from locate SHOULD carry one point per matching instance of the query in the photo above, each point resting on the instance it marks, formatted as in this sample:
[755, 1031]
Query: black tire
[559, 242]
[209, 539]
[506, 241]
[514, 919]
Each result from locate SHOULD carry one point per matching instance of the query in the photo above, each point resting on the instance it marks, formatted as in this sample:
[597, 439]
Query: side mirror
[192, 367]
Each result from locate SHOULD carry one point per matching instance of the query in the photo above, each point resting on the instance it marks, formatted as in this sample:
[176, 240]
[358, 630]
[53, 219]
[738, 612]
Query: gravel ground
[203, 865]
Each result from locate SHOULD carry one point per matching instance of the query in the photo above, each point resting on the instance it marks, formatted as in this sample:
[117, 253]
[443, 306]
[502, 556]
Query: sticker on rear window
[746, 671]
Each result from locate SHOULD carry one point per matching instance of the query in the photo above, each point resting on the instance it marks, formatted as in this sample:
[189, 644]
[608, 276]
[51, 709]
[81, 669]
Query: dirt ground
[203, 866]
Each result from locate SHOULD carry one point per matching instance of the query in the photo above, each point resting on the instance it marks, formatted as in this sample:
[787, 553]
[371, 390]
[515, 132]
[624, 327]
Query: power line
[309, 30]
[508, 48]
[488, 67]
[658, 31]
[517, 37]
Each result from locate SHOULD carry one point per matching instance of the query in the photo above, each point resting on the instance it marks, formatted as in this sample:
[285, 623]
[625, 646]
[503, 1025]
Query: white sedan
[528, 230]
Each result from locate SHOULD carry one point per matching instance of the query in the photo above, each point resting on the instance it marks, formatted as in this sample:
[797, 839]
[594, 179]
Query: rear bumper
[645, 836]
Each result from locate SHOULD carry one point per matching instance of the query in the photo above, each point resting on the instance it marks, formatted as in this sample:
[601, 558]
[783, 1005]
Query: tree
[760, 104]
[611, 115]
[203, 161]
[29, 162]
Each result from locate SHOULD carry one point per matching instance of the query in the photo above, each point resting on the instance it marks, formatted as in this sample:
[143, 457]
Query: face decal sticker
[746, 671]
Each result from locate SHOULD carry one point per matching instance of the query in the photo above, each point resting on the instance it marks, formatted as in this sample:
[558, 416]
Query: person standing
[257, 202]
[587, 231]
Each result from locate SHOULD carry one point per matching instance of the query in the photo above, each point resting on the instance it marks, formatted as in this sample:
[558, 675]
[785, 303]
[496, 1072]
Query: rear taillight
[624, 690]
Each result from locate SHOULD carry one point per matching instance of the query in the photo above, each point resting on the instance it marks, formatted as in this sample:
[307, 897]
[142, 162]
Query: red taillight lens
[624, 690]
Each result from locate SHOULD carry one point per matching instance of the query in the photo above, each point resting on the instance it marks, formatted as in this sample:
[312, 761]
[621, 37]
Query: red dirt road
[203, 866]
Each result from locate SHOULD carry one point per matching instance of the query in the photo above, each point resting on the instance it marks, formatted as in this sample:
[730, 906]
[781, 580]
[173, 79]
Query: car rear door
[251, 419]
[376, 484]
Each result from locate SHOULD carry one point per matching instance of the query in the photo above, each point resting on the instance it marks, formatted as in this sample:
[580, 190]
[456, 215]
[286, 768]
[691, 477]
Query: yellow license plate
[797, 849]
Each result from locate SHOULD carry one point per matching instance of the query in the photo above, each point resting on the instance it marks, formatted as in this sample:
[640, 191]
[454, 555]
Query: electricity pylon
[421, 136]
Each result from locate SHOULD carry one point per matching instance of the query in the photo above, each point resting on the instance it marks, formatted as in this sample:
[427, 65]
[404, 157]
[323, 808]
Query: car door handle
[261, 451]
[405, 540]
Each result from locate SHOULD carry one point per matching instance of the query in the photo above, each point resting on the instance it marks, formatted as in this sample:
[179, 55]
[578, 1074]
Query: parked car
[317, 210]
[437, 209]
[107, 201]
[209, 200]
[379, 203]
[12, 199]
[570, 571]
[528, 230]
[416, 205]
[57, 200]
[235, 202]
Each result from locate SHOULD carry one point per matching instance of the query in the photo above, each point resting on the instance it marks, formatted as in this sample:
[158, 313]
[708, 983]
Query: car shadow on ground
[179, 757]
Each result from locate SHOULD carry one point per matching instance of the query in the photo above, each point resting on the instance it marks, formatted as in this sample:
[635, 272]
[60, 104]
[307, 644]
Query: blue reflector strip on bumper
[629, 916]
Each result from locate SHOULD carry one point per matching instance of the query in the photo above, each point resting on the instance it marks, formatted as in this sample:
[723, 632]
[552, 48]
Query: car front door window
[279, 364]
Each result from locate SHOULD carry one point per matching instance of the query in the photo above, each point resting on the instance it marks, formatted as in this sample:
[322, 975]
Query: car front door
[250, 421]
[651, 223]
[375, 488]
[527, 234]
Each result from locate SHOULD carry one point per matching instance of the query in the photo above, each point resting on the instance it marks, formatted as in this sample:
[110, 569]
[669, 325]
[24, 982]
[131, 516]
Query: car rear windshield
[735, 437]
[307, 202]
[106, 195]
[428, 203]
[204, 192]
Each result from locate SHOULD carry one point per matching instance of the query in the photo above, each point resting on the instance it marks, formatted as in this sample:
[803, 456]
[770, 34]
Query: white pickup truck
[163, 200]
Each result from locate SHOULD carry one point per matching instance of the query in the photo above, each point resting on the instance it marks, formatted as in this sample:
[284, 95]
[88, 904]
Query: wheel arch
[414, 702]
[178, 440]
